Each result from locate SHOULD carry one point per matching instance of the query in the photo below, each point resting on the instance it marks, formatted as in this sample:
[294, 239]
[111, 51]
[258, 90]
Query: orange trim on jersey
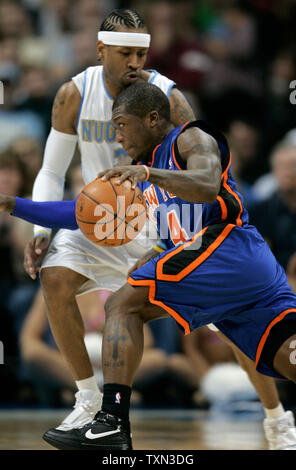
[234, 194]
[223, 207]
[267, 331]
[174, 157]
[151, 284]
[224, 174]
[200, 259]
[153, 154]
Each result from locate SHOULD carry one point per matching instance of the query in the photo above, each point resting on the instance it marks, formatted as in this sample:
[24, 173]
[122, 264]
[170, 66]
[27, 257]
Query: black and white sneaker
[105, 432]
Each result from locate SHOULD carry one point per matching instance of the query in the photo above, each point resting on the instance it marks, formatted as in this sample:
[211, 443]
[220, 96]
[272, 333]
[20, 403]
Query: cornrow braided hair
[122, 17]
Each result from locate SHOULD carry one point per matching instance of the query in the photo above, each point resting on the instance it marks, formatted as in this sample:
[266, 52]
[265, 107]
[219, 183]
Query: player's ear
[154, 118]
[101, 48]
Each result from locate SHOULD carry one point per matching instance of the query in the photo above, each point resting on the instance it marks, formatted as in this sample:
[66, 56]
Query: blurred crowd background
[235, 61]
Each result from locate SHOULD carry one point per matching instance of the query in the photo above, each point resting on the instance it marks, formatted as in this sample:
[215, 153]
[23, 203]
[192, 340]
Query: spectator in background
[12, 305]
[35, 94]
[275, 217]
[8, 51]
[279, 113]
[56, 17]
[88, 14]
[175, 48]
[12, 182]
[266, 185]
[15, 22]
[30, 152]
[84, 50]
[243, 140]
[229, 38]
[15, 124]
[232, 85]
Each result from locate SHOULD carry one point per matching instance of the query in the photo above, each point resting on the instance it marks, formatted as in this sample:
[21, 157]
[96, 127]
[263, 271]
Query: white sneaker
[87, 404]
[281, 432]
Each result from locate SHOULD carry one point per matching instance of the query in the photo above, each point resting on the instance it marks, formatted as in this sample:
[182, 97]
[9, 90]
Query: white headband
[114, 38]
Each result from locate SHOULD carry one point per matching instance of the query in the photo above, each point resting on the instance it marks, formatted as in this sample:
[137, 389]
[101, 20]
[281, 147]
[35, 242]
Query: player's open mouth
[132, 76]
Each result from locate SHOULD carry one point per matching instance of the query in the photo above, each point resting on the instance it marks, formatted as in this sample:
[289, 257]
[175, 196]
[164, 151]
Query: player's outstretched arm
[53, 214]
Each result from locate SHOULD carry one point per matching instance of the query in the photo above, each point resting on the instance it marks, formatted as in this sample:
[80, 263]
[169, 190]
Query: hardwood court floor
[152, 430]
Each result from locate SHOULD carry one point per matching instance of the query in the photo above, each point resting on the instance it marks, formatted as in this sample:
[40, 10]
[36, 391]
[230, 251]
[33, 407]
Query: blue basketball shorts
[232, 280]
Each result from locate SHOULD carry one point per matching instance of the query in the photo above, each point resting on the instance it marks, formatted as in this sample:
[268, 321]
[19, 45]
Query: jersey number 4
[178, 234]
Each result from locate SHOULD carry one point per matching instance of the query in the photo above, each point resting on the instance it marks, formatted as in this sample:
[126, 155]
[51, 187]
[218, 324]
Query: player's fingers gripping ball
[109, 214]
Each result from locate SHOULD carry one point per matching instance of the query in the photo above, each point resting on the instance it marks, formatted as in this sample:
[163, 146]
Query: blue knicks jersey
[178, 220]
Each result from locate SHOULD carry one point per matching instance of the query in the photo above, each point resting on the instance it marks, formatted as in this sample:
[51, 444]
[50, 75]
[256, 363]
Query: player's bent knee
[111, 303]
[125, 301]
[59, 281]
[49, 278]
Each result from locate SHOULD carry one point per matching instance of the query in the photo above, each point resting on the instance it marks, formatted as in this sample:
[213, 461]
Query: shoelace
[280, 428]
[87, 405]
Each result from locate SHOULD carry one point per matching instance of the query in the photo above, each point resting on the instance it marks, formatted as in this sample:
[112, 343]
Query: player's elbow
[206, 184]
[208, 191]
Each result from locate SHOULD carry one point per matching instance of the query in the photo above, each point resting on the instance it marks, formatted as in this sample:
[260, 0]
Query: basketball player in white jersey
[73, 265]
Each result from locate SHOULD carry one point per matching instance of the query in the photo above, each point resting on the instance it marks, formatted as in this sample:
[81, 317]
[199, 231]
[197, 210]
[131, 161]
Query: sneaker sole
[62, 443]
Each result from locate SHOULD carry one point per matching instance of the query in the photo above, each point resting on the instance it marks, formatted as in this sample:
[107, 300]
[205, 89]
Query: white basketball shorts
[106, 268]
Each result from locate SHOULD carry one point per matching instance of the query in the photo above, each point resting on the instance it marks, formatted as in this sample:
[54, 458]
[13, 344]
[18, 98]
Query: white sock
[274, 412]
[88, 384]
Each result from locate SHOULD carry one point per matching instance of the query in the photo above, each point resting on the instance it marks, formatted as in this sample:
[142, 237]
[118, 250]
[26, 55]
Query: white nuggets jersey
[104, 267]
[96, 134]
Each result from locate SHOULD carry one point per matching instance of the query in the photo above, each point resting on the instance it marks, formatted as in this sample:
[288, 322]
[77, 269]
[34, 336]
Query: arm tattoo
[58, 103]
[202, 149]
[181, 112]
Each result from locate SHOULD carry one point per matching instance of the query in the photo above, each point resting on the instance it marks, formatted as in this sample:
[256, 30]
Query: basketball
[110, 214]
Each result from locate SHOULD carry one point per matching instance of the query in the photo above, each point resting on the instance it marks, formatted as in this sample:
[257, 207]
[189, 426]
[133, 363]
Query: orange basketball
[110, 214]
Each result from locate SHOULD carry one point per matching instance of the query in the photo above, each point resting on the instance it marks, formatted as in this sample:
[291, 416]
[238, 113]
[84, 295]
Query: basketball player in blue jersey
[225, 274]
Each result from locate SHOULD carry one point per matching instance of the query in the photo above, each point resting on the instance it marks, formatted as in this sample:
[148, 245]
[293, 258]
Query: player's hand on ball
[7, 203]
[136, 174]
[34, 251]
